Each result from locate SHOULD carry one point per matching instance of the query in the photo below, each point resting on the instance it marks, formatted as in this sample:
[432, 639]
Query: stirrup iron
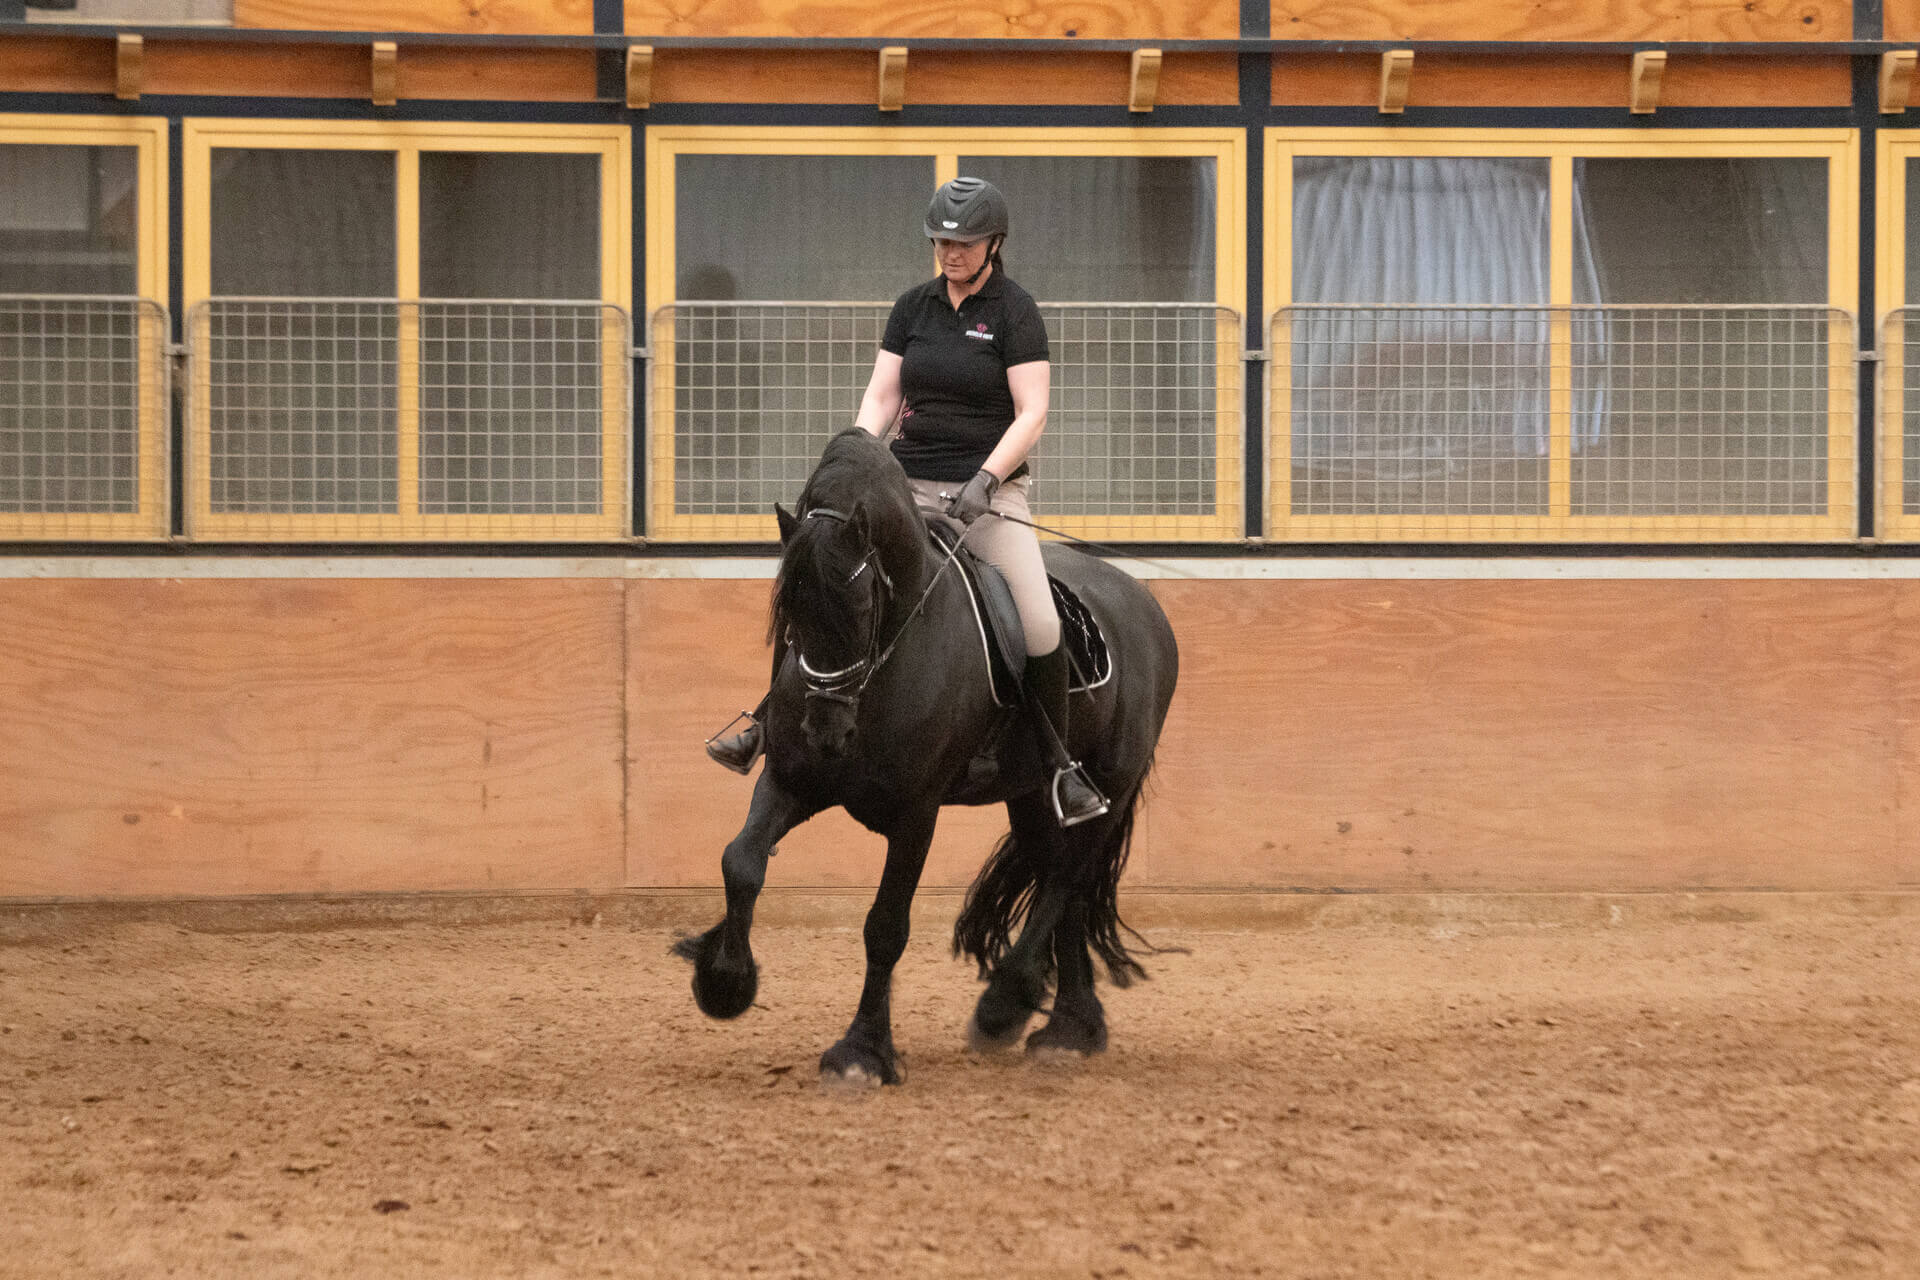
[718, 746]
[1072, 771]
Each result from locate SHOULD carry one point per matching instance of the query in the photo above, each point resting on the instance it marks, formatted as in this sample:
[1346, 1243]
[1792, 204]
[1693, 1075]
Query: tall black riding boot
[738, 751]
[1075, 798]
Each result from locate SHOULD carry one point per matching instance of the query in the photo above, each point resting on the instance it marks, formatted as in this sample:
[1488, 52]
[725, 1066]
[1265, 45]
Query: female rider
[963, 369]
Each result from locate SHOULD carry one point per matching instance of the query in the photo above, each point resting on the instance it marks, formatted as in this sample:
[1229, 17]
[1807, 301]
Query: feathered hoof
[721, 989]
[855, 1068]
[1003, 1011]
[854, 1080]
[980, 1040]
[1064, 1040]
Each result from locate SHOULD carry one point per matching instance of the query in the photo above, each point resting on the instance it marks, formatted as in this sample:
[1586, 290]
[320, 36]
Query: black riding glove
[976, 499]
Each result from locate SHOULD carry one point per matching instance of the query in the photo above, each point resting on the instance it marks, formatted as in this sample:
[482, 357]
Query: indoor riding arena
[1506, 405]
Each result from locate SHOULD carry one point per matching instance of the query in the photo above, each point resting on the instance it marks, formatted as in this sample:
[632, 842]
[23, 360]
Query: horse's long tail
[1086, 861]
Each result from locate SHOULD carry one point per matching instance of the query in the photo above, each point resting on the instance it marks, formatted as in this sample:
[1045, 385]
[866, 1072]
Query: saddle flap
[1090, 663]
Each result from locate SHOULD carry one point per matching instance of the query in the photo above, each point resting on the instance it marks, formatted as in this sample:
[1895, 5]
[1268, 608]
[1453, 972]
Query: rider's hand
[976, 499]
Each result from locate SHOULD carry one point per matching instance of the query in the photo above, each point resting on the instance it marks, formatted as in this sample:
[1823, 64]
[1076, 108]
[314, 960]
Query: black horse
[882, 705]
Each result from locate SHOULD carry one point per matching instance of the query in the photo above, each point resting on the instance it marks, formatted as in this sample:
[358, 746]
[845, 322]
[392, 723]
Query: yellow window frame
[147, 135]
[406, 140]
[945, 146]
[1895, 148]
[1840, 148]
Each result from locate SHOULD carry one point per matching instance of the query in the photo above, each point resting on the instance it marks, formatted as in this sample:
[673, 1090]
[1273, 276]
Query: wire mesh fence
[1143, 440]
[84, 392]
[1898, 430]
[1602, 423]
[346, 418]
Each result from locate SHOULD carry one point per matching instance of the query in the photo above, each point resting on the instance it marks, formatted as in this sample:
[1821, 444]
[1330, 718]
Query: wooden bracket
[386, 73]
[893, 77]
[1143, 79]
[639, 76]
[1396, 73]
[129, 66]
[1643, 82]
[1896, 80]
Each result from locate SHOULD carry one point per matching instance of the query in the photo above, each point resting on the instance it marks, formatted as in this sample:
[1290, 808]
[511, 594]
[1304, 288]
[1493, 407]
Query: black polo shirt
[953, 372]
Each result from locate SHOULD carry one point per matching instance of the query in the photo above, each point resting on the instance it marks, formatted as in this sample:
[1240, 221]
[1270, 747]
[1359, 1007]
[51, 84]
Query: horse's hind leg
[1078, 1023]
[865, 1055]
[1017, 985]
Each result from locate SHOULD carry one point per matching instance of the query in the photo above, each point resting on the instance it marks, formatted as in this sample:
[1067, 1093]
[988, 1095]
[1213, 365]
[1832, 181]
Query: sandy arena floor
[1376, 1099]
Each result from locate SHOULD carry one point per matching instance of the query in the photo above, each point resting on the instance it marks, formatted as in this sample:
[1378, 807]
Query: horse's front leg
[724, 975]
[865, 1054]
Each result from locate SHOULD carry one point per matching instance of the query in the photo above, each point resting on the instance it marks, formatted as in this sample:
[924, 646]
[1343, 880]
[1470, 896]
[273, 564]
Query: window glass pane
[1106, 228]
[801, 228]
[1732, 230]
[1438, 408]
[1912, 296]
[497, 224]
[1403, 229]
[69, 219]
[1908, 348]
[303, 223]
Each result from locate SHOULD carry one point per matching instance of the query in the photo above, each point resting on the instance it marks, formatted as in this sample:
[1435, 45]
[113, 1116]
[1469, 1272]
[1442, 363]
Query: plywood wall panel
[1532, 735]
[1596, 20]
[287, 736]
[1901, 19]
[212, 737]
[764, 75]
[1451, 80]
[439, 72]
[244, 70]
[939, 77]
[1065, 79]
[44, 64]
[939, 19]
[474, 17]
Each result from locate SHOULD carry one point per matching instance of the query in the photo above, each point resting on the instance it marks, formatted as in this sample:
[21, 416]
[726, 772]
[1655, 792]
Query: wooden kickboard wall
[274, 735]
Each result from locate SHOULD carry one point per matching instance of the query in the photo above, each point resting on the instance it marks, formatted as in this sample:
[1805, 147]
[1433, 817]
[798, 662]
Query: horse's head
[853, 539]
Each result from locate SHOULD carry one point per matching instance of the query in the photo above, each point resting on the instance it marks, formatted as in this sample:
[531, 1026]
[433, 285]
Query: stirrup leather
[727, 749]
[1088, 806]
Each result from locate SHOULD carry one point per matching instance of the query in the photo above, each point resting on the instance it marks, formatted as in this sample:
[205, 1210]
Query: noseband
[846, 684]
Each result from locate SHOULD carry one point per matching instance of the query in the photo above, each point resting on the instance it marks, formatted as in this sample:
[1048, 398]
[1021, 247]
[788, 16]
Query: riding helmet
[967, 209]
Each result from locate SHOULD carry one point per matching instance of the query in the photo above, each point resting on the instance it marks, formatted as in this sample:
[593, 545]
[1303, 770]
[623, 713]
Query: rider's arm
[1031, 384]
[881, 404]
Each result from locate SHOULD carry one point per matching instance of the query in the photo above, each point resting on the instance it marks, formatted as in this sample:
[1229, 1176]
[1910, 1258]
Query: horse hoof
[980, 1040]
[1056, 1057]
[1058, 1042]
[725, 993]
[855, 1079]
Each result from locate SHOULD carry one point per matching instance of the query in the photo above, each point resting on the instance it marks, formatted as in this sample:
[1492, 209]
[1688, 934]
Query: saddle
[1089, 661]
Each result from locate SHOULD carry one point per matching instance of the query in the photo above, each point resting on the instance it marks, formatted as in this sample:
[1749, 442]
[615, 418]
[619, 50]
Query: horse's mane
[858, 477]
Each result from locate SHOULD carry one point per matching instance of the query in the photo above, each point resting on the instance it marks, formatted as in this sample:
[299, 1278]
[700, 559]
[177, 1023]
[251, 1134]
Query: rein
[833, 686]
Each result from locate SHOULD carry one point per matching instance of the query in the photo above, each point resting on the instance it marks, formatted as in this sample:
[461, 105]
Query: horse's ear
[788, 523]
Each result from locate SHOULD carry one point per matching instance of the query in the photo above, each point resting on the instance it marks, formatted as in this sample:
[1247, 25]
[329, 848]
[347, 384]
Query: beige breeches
[1011, 548]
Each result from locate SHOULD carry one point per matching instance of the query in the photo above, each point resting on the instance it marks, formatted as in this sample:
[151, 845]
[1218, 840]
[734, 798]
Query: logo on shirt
[979, 331]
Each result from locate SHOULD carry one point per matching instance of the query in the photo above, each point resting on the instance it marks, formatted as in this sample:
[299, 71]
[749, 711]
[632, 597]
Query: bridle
[846, 684]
